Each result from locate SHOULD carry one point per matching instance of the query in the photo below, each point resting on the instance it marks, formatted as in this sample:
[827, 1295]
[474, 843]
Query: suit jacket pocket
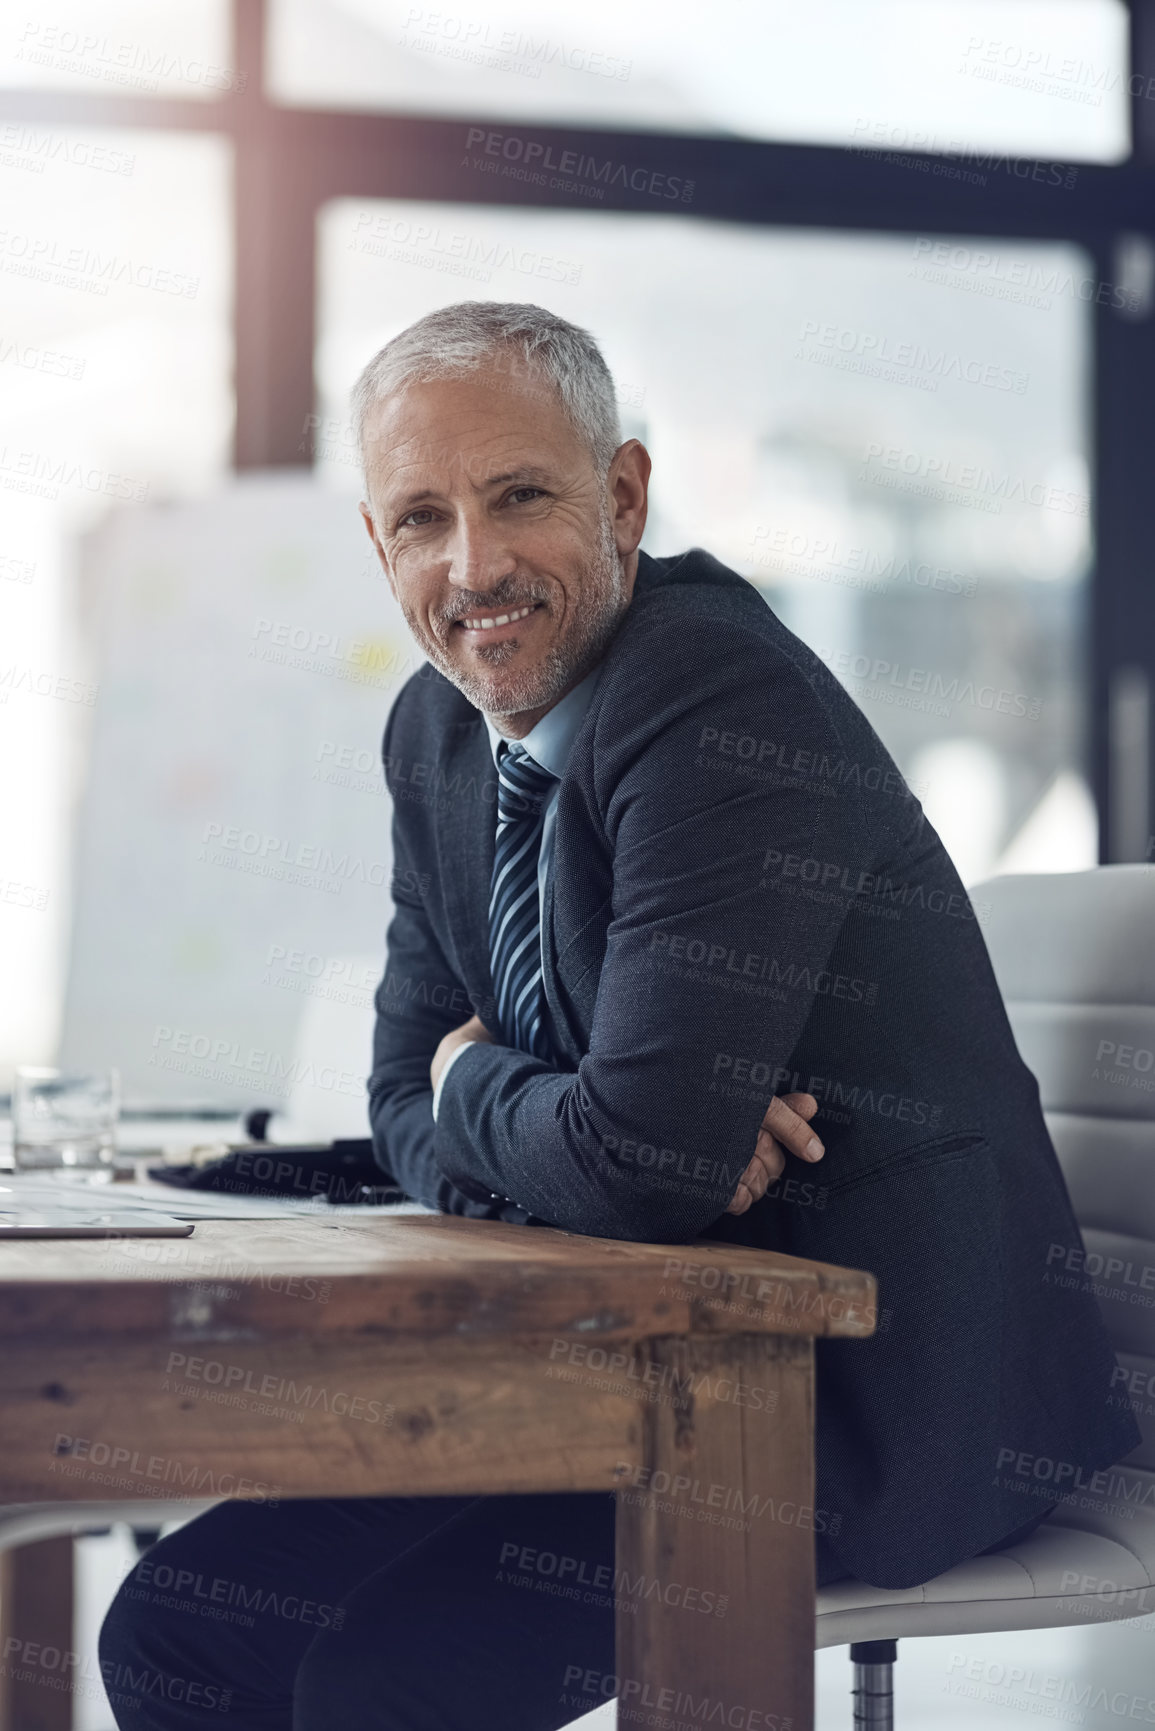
[924, 1154]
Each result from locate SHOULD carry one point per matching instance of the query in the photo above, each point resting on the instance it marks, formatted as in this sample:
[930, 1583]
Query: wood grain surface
[416, 1276]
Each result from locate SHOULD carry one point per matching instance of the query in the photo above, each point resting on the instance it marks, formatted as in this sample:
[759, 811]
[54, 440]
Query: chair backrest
[333, 1053]
[1074, 955]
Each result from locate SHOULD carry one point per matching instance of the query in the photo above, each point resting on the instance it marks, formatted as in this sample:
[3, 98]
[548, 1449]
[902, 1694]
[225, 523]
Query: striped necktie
[514, 910]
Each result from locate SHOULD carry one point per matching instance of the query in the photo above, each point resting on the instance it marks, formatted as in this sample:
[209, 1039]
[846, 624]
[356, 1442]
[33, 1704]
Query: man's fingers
[788, 1126]
[784, 1130]
[742, 1200]
[766, 1165]
[751, 1186]
[769, 1157]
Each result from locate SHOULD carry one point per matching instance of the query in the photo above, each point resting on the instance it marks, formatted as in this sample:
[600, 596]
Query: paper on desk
[65, 1196]
[216, 1205]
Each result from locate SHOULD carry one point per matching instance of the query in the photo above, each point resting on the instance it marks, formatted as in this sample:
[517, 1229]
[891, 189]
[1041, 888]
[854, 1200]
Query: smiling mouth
[491, 621]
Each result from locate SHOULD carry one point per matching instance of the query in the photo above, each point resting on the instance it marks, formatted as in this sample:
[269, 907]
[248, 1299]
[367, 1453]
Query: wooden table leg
[715, 1547]
[37, 1664]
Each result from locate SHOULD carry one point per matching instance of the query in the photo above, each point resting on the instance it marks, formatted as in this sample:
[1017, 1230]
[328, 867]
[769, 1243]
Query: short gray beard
[592, 626]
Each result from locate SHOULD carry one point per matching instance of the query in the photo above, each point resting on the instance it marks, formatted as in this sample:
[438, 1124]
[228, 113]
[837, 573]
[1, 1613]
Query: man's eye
[521, 495]
[416, 519]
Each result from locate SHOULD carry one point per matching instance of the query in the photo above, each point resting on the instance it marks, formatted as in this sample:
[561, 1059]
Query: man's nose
[478, 556]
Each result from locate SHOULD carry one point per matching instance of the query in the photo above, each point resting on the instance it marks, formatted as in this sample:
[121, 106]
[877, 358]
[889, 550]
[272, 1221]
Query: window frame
[290, 162]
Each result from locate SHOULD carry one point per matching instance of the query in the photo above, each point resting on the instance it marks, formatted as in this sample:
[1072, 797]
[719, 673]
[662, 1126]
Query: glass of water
[64, 1119]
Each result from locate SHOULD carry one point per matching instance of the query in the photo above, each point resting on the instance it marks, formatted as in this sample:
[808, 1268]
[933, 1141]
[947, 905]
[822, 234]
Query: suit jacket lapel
[559, 1015]
[467, 839]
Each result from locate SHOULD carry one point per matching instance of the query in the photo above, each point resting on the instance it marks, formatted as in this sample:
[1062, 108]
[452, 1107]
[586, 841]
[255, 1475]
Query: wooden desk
[426, 1355]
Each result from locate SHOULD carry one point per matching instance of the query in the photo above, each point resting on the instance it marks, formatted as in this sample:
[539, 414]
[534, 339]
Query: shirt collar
[548, 742]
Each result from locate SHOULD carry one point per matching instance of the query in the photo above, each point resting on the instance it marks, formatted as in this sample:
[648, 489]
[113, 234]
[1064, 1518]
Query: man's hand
[474, 1029]
[785, 1130]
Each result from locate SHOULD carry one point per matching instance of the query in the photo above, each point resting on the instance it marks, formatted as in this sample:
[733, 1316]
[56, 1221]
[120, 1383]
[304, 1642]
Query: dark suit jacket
[745, 899]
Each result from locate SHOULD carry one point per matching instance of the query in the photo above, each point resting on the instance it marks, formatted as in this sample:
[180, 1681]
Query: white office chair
[1074, 955]
[28, 1523]
[332, 1052]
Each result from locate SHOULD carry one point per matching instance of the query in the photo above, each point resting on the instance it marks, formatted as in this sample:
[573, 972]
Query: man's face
[511, 558]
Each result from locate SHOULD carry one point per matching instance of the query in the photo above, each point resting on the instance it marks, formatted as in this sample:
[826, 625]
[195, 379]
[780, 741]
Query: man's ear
[371, 528]
[629, 480]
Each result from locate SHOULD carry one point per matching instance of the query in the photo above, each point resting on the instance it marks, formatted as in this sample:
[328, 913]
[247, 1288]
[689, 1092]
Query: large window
[115, 360]
[1038, 78]
[888, 435]
[119, 48]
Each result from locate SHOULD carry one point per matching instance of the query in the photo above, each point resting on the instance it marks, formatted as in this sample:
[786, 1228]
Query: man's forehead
[478, 399]
[469, 409]
[423, 465]
[479, 447]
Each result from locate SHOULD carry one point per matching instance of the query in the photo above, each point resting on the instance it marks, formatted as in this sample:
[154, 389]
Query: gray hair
[472, 334]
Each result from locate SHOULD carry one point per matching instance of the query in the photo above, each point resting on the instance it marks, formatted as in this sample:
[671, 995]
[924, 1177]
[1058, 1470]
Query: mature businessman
[683, 934]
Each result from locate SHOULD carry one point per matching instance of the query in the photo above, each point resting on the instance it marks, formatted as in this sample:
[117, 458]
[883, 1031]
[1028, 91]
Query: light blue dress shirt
[549, 743]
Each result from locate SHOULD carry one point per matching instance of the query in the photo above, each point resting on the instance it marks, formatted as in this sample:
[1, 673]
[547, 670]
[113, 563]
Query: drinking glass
[64, 1119]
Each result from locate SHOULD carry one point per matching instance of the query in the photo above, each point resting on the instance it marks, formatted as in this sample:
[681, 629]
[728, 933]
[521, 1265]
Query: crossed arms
[784, 1130]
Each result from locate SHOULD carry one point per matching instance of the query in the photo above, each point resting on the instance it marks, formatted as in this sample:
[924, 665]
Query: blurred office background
[875, 278]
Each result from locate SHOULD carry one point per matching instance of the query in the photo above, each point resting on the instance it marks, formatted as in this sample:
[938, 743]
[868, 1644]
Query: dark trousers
[411, 1614]
[385, 1613]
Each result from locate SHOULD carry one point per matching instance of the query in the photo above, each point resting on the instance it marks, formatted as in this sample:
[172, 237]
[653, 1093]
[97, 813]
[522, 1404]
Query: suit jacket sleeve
[418, 1001]
[698, 930]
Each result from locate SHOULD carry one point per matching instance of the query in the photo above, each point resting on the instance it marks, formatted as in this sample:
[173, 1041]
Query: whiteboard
[233, 856]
